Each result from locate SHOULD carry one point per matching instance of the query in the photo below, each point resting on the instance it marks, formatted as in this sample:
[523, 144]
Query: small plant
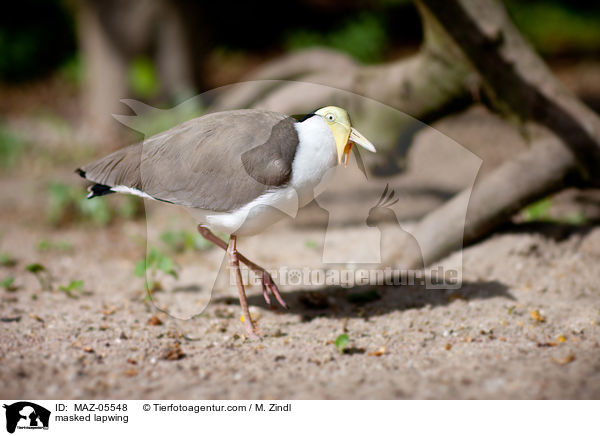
[61, 204]
[8, 284]
[94, 209]
[67, 204]
[149, 267]
[363, 37]
[130, 207]
[46, 245]
[73, 289]
[540, 211]
[575, 218]
[143, 78]
[341, 342]
[35, 268]
[12, 147]
[183, 240]
[7, 260]
[309, 243]
[41, 274]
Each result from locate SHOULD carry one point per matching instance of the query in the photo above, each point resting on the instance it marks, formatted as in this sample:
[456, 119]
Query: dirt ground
[525, 324]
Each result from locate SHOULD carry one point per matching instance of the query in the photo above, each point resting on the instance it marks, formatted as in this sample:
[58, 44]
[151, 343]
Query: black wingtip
[80, 172]
[99, 190]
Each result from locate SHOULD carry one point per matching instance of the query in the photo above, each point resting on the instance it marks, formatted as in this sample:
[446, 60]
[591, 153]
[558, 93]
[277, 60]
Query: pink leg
[234, 262]
[268, 285]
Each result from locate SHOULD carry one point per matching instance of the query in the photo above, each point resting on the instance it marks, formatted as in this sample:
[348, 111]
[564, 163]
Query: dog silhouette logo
[26, 415]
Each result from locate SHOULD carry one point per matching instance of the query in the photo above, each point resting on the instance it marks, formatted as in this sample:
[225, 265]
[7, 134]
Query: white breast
[316, 154]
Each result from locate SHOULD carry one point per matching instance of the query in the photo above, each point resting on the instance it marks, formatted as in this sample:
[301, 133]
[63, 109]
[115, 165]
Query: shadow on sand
[366, 301]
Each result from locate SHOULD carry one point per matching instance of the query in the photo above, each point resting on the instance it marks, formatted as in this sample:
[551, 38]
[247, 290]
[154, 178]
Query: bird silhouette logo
[383, 206]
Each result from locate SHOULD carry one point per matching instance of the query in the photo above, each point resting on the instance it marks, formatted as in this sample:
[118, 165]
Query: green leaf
[46, 245]
[130, 206]
[96, 209]
[155, 261]
[74, 287]
[140, 268]
[174, 240]
[35, 268]
[7, 260]
[61, 203]
[12, 146]
[202, 244]
[341, 342]
[575, 218]
[143, 78]
[309, 243]
[538, 210]
[190, 240]
[180, 241]
[557, 28]
[7, 284]
[152, 257]
[363, 37]
[165, 264]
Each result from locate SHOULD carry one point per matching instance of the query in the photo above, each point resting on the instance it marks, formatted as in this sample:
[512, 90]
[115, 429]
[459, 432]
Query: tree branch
[518, 82]
[516, 78]
[533, 174]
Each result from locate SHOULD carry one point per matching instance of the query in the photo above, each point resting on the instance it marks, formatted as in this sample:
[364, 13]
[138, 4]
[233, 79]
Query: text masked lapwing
[235, 171]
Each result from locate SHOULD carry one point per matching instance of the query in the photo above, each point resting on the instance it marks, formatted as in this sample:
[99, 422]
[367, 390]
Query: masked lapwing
[236, 171]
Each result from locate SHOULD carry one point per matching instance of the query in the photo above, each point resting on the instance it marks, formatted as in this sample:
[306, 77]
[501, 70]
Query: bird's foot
[251, 329]
[269, 287]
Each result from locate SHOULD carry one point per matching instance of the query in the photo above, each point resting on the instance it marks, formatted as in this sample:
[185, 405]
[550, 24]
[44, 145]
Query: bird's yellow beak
[345, 138]
[357, 138]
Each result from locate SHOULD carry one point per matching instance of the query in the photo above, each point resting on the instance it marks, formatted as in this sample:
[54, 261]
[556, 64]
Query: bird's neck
[315, 158]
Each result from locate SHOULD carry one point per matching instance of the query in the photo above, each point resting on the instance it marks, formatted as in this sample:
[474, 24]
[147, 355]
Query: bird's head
[344, 134]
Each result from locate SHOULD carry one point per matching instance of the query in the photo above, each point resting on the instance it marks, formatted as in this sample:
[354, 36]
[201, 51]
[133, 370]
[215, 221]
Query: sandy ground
[525, 324]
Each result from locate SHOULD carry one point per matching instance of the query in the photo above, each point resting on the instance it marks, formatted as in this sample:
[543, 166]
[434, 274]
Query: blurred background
[65, 66]
[67, 63]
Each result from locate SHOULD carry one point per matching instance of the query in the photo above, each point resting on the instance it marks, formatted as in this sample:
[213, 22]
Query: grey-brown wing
[217, 162]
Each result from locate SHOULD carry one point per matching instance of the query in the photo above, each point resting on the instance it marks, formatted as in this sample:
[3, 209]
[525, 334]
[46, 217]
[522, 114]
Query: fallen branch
[518, 82]
[533, 174]
[517, 79]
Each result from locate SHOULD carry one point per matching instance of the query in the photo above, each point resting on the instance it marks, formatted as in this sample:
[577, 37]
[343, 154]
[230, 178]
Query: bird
[236, 172]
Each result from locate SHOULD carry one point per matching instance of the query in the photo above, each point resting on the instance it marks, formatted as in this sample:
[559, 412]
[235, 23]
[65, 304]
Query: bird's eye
[330, 117]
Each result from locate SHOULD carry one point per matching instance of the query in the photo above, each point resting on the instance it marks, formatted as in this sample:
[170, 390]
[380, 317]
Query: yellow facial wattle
[343, 133]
